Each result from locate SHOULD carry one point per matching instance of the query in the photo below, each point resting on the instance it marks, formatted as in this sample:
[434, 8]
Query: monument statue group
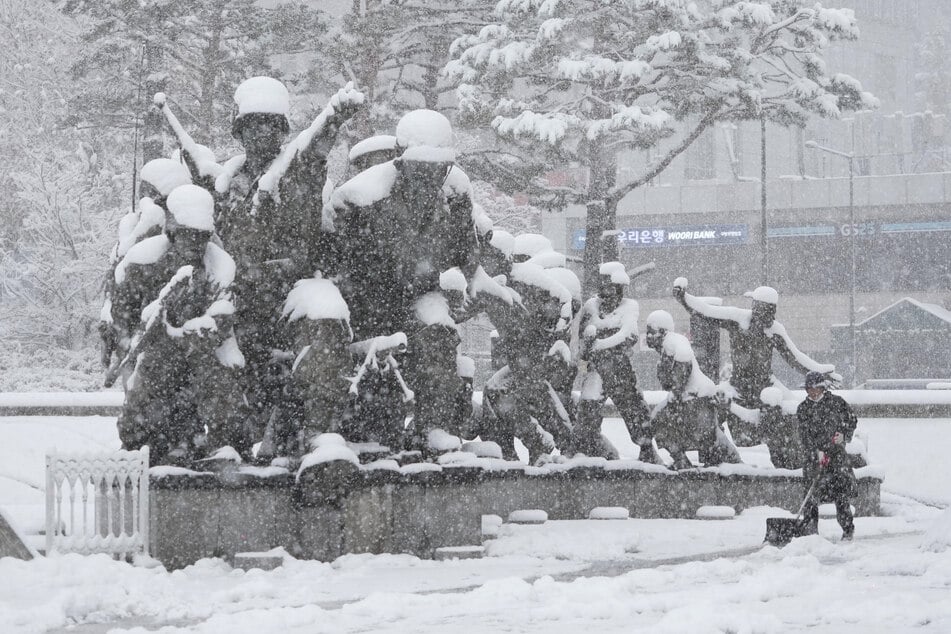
[252, 307]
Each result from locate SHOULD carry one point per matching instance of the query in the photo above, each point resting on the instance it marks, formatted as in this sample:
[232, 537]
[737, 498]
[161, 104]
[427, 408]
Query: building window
[701, 158]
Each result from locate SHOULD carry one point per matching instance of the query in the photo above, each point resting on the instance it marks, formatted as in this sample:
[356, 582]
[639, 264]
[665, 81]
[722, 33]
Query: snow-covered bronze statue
[184, 352]
[687, 419]
[754, 335]
[608, 335]
[520, 400]
[270, 218]
[408, 250]
[159, 178]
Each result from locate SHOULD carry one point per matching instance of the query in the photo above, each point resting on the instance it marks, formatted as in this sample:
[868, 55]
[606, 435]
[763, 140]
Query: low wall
[934, 403]
[341, 508]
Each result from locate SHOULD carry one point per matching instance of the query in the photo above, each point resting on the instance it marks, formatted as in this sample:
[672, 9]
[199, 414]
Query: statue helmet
[660, 320]
[263, 96]
[765, 294]
[192, 207]
[615, 272]
[165, 175]
[425, 135]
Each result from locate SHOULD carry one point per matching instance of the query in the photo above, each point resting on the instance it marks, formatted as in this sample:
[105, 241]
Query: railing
[98, 503]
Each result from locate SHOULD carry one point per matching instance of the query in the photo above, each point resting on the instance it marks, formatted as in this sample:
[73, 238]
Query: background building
[703, 218]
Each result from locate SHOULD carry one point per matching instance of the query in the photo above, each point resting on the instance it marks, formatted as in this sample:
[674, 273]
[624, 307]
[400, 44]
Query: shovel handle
[812, 487]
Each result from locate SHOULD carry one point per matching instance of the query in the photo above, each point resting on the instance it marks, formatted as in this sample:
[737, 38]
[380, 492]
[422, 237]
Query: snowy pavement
[613, 575]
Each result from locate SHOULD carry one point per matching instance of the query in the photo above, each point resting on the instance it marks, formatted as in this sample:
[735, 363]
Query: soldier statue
[608, 335]
[688, 417]
[184, 352]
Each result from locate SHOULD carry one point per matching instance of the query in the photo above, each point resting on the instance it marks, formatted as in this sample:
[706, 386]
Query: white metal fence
[98, 502]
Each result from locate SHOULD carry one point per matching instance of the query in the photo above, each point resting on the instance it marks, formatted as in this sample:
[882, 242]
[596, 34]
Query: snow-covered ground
[612, 575]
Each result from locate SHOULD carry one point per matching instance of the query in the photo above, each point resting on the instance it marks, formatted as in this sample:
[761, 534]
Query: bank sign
[678, 236]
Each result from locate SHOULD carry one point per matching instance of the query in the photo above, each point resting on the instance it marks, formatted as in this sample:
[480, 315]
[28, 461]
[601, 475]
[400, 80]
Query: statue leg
[429, 369]
[499, 411]
[148, 412]
[713, 445]
[219, 400]
[620, 385]
[316, 393]
[586, 435]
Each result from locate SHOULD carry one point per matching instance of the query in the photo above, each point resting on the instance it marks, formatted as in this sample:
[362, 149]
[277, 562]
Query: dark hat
[816, 379]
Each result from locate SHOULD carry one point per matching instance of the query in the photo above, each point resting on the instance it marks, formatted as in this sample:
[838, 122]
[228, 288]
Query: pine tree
[396, 51]
[576, 81]
[197, 51]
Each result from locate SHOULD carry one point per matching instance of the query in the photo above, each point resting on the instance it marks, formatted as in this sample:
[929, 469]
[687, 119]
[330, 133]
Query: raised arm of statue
[724, 316]
[797, 360]
[198, 158]
[305, 157]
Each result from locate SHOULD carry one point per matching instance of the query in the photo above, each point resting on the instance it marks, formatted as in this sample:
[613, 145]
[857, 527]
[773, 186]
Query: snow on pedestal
[267, 560]
[327, 448]
[483, 449]
[440, 440]
[459, 552]
[490, 526]
[716, 513]
[609, 513]
[528, 516]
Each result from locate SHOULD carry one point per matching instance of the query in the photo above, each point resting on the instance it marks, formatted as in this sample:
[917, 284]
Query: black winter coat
[818, 423]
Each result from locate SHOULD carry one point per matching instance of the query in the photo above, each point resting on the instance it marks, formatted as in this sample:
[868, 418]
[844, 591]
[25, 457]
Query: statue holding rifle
[184, 356]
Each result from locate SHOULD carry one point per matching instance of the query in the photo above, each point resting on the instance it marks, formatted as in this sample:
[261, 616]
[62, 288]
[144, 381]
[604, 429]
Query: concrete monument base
[338, 507]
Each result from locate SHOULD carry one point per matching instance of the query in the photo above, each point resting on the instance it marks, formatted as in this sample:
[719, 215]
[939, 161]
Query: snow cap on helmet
[529, 244]
[765, 294]
[534, 275]
[165, 175]
[425, 135]
[615, 270]
[378, 143]
[262, 95]
[193, 207]
[660, 320]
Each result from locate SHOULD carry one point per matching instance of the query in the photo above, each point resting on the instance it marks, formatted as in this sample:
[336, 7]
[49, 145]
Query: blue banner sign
[686, 235]
[859, 229]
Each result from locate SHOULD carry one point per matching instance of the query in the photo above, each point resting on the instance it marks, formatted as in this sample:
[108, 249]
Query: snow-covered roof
[264, 95]
[165, 175]
[378, 143]
[934, 309]
[192, 206]
[616, 272]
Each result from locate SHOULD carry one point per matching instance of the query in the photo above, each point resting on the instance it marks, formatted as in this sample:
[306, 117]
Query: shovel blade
[782, 530]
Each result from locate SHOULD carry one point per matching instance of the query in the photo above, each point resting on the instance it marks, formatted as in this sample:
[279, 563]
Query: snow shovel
[782, 530]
